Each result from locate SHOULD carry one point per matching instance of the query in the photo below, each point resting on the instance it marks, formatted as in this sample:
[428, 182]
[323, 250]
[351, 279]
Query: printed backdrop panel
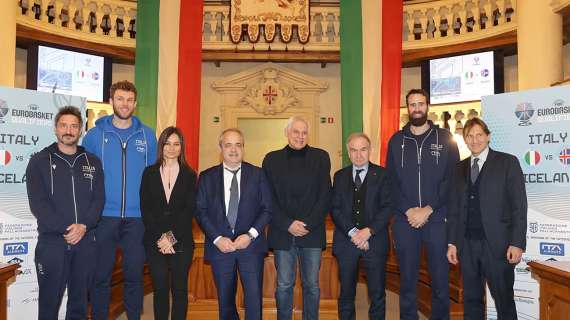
[26, 127]
[533, 125]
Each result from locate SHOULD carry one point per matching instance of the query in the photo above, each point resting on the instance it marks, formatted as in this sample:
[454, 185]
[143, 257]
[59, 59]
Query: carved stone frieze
[270, 89]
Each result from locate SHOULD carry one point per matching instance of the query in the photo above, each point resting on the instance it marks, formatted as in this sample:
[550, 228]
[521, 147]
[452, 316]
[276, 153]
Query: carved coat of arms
[269, 17]
[269, 96]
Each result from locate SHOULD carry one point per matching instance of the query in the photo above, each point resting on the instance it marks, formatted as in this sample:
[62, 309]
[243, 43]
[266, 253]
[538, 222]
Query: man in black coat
[299, 177]
[486, 223]
[361, 212]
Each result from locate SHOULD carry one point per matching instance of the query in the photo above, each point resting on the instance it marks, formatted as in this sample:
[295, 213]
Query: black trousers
[169, 272]
[479, 264]
[375, 267]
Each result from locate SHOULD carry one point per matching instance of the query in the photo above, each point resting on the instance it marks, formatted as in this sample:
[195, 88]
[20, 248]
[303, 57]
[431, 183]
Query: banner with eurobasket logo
[534, 126]
[26, 127]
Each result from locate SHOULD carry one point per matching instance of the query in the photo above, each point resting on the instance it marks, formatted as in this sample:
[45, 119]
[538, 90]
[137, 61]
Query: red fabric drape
[392, 11]
[189, 76]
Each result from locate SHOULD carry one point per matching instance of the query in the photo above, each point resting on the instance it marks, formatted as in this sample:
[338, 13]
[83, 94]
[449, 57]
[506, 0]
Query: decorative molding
[560, 6]
[255, 14]
[269, 91]
[105, 22]
[451, 41]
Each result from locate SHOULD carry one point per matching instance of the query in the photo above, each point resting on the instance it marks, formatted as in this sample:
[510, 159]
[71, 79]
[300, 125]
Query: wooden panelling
[554, 279]
[7, 272]
[202, 296]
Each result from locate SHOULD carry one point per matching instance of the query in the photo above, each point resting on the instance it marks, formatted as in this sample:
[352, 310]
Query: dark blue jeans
[128, 234]
[286, 265]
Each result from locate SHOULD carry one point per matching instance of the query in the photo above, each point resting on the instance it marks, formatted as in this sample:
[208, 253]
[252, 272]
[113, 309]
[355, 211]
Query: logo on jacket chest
[141, 145]
[88, 172]
[435, 149]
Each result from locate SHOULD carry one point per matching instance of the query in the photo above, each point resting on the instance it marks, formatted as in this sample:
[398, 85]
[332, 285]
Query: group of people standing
[123, 188]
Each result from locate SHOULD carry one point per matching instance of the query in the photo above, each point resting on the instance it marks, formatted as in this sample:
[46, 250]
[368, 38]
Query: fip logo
[15, 248]
[533, 227]
[524, 112]
[3, 110]
[15, 260]
[552, 249]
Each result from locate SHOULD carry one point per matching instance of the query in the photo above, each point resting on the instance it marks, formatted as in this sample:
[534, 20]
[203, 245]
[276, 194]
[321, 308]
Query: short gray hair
[236, 130]
[356, 135]
[294, 119]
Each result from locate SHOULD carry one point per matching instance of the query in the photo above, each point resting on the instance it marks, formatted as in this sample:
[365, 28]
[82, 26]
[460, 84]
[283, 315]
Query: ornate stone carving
[251, 14]
[270, 89]
[269, 96]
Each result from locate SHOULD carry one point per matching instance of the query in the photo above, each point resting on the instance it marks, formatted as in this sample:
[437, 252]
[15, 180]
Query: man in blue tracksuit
[66, 195]
[126, 147]
[421, 162]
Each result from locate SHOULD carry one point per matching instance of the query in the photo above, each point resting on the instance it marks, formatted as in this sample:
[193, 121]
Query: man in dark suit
[486, 223]
[233, 208]
[361, 212]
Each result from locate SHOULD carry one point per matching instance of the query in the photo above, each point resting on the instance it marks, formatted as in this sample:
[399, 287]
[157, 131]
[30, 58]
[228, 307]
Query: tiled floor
[392, 307]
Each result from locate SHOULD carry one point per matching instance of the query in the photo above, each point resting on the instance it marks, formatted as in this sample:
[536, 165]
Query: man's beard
[418, 122]
[71, 142]
[116, 113]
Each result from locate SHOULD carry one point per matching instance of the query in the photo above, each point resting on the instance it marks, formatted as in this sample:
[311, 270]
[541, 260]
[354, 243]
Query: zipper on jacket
[71, 167]
[124, 186]
[420, 165]
[420, 176]
[419, 149]
[124, 167]
[73, 190]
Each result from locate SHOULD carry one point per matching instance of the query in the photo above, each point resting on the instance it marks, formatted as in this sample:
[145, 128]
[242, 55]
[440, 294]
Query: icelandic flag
[565, 156]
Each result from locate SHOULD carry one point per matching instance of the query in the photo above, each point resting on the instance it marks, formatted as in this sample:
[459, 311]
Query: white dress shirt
[482, 158]
[228, 176]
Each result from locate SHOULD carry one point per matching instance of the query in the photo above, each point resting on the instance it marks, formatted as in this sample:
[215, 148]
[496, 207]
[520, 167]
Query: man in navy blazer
[486, 223]
[233, 208]
[361, 213]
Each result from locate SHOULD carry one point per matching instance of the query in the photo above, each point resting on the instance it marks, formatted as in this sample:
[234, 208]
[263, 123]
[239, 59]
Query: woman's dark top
[160, 216]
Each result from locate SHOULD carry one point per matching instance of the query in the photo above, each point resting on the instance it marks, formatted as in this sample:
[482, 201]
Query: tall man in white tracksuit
[421, 163]
[126, 147]
[66, 195]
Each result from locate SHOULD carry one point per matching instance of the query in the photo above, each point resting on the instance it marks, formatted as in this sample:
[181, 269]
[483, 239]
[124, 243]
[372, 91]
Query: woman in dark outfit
[168, 202]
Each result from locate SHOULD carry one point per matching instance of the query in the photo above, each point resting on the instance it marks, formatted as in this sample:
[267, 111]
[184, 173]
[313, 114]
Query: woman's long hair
[166, 133]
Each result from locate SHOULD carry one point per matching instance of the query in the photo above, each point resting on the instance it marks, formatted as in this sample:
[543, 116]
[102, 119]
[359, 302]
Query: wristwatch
[250, 235]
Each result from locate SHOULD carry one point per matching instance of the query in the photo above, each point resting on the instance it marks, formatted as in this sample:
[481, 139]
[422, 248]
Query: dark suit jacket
[503, 202]
[176, 216]
[376, 207]
[317, 197]
[254, 208]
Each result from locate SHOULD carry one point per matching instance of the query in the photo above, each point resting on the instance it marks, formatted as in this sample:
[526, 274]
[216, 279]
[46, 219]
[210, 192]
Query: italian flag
[4, 157]
[168, 68]
[371, 58]
[532, 158]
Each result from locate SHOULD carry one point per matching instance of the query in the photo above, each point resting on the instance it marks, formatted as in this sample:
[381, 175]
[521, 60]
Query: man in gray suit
[486, 223]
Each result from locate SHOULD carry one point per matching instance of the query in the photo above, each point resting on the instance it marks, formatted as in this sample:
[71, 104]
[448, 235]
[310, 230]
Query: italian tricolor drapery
[371, 58]
[168, 67]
